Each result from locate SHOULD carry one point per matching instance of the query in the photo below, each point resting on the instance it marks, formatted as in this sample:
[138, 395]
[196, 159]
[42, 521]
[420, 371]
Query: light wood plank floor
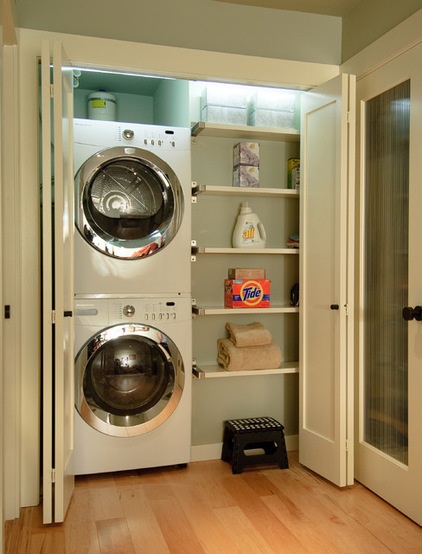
[205, 509]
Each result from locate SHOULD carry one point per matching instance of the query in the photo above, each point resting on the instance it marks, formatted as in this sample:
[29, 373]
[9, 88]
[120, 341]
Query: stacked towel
[254, 334]
[248, 347]
[232, 358]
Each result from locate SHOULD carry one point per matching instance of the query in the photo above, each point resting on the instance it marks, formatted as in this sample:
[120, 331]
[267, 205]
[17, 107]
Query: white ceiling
[338, 8]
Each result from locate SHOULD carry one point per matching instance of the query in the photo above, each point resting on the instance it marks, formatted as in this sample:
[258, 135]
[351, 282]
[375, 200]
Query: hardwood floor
[205, 509]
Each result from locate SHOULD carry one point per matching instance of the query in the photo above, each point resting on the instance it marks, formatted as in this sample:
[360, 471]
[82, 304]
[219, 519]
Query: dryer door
[129, 202]
[128, 380]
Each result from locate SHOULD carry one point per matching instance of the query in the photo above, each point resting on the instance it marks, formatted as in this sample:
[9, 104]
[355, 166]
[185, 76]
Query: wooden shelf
[244, 132]
[213, 190]
[213, 310]
[216, 371]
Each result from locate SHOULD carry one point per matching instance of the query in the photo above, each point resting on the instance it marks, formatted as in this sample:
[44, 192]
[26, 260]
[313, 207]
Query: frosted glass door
[386, 220]
[389, 449]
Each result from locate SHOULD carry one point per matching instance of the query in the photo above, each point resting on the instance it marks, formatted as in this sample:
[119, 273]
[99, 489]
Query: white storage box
[274, 108]
[272, 99]
[246, 176]
[272, 118]
[224, 114]
[224, 104]
[224, 96]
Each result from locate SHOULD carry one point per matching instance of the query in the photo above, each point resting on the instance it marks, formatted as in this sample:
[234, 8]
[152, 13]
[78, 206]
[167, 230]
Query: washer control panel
[147, 311]
[101, 312]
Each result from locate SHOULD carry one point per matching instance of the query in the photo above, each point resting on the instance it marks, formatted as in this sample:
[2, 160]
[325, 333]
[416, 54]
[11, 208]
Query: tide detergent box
[247, 293]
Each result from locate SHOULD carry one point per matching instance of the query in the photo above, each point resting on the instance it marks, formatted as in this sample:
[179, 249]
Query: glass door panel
[387, 121]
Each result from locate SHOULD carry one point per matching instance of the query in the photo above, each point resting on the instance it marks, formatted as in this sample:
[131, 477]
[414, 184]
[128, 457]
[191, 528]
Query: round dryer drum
[129, 379]
[129, 202]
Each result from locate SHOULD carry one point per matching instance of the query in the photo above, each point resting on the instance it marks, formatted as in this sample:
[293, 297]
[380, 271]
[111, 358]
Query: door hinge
[53, 475]
[346, 309]
[347, 446]
[7, 311]
[53, 316]
[348, 117]
[51, 91]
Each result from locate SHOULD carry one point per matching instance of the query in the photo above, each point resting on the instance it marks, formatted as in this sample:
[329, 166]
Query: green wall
[370, 20]
[198, 24]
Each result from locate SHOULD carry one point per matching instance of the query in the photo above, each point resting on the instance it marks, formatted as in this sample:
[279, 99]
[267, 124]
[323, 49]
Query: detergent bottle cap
[245, 208]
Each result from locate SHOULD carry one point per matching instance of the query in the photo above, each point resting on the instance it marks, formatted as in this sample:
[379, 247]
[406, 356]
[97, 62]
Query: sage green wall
[370, 20]
[169, 94]
[198, 24]
[220, 26]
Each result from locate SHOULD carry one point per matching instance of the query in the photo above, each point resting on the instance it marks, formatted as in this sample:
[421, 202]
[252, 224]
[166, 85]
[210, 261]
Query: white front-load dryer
[132, 208]
[133, 383]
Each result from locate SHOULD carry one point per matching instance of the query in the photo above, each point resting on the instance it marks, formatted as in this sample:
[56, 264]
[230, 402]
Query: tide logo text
[251, 293]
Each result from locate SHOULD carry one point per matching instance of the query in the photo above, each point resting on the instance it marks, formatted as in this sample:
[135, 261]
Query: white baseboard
[203, 452]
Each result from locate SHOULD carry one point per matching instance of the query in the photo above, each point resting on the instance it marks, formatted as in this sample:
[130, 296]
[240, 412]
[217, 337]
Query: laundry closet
[160, 98]
[214, 204]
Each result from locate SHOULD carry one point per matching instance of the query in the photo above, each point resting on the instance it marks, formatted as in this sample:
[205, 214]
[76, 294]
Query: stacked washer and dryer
[133, 338]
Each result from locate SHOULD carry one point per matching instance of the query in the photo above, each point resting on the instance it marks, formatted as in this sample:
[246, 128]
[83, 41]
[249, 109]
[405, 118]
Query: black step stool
[264, 433]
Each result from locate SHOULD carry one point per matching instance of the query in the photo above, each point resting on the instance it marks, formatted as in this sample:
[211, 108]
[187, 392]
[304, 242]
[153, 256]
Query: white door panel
[57, 231]
[326, 299]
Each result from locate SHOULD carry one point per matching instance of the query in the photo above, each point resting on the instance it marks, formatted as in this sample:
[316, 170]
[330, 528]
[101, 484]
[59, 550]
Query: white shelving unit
[227, 256]
[209, 310]
[234, 191]
[216, 371]
[243, 251]
[244, 132]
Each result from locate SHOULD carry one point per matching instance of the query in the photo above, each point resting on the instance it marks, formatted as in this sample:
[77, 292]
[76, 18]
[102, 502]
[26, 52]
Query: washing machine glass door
[128, 380]
[129, 202]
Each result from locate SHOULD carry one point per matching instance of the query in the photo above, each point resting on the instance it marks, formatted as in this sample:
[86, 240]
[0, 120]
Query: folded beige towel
[254, 334]
[232, 358]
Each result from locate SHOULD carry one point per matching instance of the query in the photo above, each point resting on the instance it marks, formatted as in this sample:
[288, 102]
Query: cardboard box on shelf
[247, 293]
[246, 273]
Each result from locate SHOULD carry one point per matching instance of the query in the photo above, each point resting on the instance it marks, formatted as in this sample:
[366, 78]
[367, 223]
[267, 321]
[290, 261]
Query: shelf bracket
[194, 187]
[194, 250]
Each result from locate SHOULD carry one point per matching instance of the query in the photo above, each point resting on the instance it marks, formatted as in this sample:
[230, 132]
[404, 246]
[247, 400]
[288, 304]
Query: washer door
[129, 202]
[128, 380]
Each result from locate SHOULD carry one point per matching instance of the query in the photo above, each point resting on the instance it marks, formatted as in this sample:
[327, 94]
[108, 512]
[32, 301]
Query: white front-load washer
[132, 208]
[133, 383]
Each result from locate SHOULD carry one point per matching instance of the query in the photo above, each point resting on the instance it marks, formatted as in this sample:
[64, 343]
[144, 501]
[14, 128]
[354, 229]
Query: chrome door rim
[101, 239]
[135, 424]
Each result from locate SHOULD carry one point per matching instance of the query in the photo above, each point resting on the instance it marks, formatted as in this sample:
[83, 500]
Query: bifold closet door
[57, 269]
[326, 280]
